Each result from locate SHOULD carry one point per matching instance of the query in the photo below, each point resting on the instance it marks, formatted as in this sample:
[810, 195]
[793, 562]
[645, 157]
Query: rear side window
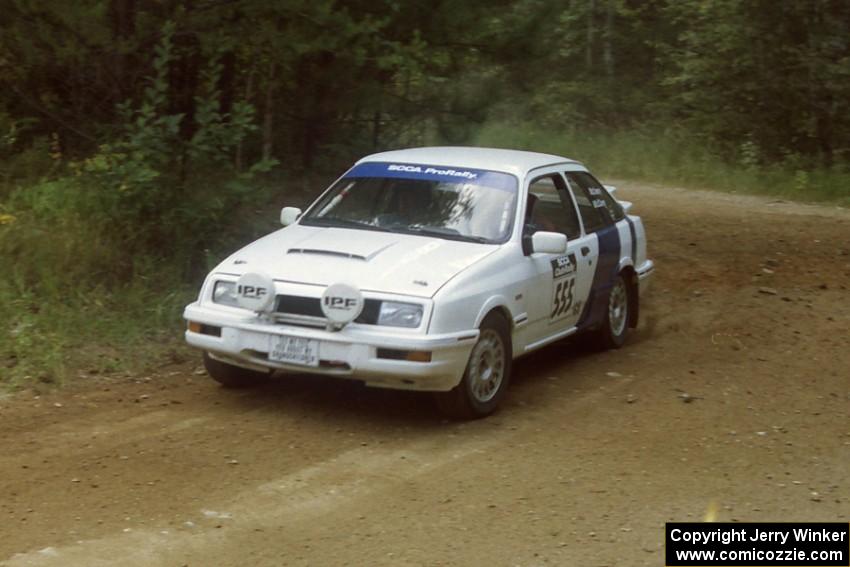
[547, 209]
[592, 214]
[597, 194]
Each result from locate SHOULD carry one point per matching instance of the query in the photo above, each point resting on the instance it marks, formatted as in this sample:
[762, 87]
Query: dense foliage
[136, 136]
[760, 79]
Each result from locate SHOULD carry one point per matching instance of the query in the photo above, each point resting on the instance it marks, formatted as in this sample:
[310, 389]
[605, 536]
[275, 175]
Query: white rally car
[428, 269]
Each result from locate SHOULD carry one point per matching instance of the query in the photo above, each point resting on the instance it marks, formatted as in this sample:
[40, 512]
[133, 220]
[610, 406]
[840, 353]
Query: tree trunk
[822, 104]
[122, 19]
[376, 130]
[238, 158]
[268, 114]
[591, 32]
[608, 38]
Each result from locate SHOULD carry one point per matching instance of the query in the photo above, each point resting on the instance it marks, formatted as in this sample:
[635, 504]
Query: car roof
[516, 162]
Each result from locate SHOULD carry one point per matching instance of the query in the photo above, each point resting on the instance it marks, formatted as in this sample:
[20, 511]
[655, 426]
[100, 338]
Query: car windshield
[456, 204]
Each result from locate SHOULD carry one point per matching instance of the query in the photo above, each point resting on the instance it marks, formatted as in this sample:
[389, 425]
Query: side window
[599, 197]
[546, 208]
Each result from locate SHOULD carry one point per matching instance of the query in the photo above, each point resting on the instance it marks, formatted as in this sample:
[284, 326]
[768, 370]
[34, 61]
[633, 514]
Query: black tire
[618, 314]
[476, 396]
[231, 376]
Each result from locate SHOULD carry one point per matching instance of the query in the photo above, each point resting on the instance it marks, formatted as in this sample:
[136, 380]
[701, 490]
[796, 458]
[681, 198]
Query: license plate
[294, 350]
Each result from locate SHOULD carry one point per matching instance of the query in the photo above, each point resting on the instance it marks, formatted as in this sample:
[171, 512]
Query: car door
[600, 216]
[558, 289]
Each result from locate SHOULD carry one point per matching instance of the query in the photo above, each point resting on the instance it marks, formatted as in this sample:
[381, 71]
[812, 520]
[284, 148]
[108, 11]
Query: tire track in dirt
[302, 497]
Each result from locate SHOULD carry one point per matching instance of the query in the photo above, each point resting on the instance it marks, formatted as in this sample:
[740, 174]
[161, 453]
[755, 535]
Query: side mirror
[289, 215]
[627, 206]
[548, 242]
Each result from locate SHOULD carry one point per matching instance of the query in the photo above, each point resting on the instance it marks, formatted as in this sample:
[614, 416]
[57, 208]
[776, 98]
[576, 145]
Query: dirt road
[731, 400]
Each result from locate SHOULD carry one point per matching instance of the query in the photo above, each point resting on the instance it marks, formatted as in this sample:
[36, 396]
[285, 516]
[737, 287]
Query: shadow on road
[339, 400]
[315, 397]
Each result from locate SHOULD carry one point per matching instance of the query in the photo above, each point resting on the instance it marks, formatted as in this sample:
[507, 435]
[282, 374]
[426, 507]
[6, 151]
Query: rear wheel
[615, 327]
[231, 376]
[487, 373]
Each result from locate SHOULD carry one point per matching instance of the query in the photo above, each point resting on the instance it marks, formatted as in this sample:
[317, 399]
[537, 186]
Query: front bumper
[349, 353]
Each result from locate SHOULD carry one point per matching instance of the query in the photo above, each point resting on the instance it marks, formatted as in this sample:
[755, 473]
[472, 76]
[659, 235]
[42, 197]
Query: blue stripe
[606, 270]
[440, 173]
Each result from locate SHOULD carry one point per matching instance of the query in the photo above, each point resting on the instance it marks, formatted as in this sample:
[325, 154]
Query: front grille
[311, 307]
[297, 305]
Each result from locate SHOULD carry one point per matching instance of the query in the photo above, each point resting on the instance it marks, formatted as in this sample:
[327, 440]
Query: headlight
[400, 314]
[224, 293]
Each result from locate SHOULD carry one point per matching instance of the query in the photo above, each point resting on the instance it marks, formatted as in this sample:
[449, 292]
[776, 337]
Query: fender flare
[625, 263]
[499, 302]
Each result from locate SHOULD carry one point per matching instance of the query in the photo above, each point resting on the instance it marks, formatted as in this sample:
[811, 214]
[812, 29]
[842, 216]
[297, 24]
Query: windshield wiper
[342, 223]
[440, 232]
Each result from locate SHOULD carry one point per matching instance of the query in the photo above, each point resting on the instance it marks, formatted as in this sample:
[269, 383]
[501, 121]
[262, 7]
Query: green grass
[73, 301]
[672, 158]
[49, 339]
[68, 310]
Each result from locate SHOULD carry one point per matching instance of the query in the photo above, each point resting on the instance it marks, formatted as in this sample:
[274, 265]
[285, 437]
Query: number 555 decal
[563, 272]
[562, 298]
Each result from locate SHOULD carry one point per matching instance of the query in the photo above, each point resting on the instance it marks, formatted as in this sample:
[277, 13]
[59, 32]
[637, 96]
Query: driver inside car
[408, 205]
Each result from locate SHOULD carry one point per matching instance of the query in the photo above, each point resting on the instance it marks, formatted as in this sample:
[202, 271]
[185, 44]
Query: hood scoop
[339, 253]
[325, 253]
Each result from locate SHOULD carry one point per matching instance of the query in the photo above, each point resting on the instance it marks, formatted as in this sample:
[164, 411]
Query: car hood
[371, 260]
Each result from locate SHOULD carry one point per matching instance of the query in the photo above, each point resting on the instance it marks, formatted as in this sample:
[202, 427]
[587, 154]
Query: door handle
[585, 250]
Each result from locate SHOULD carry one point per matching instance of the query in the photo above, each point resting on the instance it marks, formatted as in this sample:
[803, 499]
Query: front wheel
[487, 373]
[231, 376]
[615, 327]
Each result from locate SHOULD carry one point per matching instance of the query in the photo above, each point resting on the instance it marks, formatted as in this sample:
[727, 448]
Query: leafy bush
[149, 189]
[101, 259]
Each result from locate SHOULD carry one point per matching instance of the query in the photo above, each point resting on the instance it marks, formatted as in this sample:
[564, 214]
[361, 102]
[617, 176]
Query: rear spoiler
[627, 205]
